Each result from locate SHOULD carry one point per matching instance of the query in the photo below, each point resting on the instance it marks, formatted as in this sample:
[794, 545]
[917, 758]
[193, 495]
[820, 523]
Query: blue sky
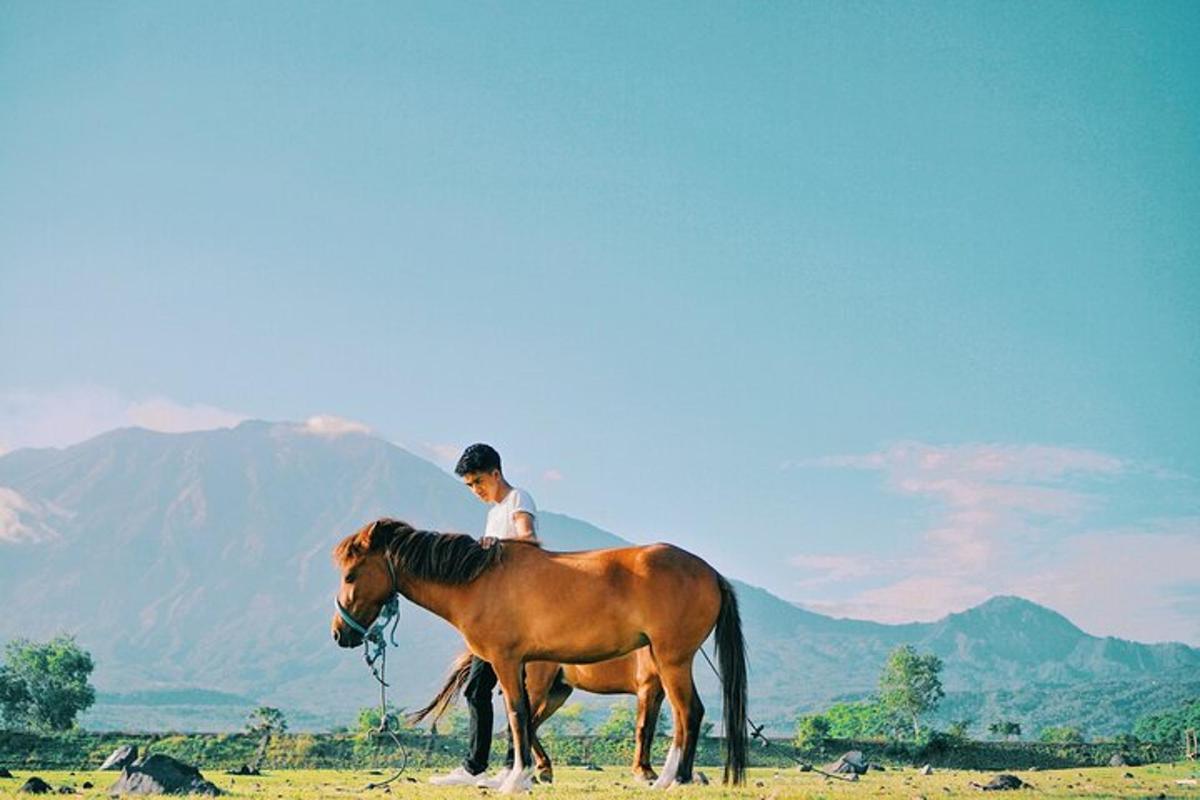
[886, 307]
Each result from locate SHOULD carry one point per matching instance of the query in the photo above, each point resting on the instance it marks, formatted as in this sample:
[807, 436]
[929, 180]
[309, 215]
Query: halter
[374, 643]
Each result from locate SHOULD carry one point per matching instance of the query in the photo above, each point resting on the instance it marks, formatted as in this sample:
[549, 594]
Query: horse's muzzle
[346, 638]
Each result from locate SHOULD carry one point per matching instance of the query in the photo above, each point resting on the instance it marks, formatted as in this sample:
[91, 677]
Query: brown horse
[548, 685]
[514, 603]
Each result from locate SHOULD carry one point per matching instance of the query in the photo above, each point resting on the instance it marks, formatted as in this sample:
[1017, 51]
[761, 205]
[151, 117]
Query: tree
[45, 685]
[960, 729]
[1169, 726]
[568, 721]
[368, 719]
[454, 722]
[812, 730]
[1006, 728]
[620, 723]
[1061, 734]
[866, 719]
[910, 686]
[265, 721]
[14, 700]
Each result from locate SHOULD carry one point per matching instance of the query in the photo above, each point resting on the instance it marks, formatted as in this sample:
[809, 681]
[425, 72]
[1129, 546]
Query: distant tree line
[1169, 726]
[910, 690]
[44, 688]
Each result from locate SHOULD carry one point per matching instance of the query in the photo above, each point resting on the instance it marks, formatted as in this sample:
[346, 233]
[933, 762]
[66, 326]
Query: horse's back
[644, 560]
[629, 596]
[653, 579]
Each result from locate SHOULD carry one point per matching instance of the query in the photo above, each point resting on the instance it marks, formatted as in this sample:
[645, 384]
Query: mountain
[200, 560]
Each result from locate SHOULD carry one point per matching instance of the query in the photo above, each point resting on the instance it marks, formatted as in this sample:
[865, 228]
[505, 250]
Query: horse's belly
[584, 640]
[587, 655]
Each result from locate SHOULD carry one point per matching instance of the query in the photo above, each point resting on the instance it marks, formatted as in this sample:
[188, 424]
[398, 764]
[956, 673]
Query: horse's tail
[731, 655]
[455, 681]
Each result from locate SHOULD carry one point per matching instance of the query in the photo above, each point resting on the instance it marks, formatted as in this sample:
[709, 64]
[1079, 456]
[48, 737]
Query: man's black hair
[477, 458]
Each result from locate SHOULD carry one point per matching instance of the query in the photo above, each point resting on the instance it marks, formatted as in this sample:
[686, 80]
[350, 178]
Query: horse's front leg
[508, 673]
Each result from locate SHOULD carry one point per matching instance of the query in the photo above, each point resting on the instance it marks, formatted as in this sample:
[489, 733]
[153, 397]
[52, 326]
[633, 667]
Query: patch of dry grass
[763, 783]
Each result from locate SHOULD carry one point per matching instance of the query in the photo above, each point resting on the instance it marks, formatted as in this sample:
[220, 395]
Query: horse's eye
[350, 577]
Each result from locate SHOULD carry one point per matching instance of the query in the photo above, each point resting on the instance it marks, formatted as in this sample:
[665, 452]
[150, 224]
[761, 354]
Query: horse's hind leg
[676, 677]
[650, 697]
[689, 753]
[545, 700]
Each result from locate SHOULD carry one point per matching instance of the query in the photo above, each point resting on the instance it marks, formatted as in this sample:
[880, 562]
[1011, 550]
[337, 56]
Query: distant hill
[201, 560]
[175, 697]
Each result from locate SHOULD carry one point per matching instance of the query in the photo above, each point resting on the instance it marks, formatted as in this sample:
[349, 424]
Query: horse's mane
[427, 555]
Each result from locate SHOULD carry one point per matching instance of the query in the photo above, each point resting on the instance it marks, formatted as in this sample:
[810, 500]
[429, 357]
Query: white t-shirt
[500, 516]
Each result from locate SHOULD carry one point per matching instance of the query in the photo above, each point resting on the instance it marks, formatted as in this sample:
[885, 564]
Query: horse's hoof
[517, 782]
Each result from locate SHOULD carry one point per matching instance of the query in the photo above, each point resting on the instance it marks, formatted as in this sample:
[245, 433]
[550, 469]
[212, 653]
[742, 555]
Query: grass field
[1152, 782]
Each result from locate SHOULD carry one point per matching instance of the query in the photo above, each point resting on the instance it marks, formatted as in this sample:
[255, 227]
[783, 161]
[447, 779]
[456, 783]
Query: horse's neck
[438, 598]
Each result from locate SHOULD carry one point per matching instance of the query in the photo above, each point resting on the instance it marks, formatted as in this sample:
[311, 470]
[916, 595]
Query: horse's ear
[380, 533]
[345, 550]
[372, 537]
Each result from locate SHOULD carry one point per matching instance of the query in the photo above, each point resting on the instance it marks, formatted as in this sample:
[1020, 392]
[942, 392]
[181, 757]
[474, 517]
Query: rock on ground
[852, 763]
[1002, 782]
[35, 785]
[120, 758]
[160, 774]
[246, 769]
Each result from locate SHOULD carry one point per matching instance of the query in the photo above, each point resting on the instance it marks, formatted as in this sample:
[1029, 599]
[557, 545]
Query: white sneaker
[484, 782]
[457, 777]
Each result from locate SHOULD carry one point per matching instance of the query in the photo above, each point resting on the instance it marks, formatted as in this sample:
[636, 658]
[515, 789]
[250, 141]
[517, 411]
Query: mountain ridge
[173, 555]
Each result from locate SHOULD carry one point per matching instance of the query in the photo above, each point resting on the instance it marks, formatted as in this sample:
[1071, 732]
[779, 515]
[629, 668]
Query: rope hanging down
[375, 656]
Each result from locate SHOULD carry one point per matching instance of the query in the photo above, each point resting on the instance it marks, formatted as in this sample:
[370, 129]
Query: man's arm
[523, 522]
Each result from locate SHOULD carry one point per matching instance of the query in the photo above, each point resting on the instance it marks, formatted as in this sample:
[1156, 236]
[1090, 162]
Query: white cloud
[1136, 583]
[1004, 462]
[920, 598]
[11, 506]
[552, 475]
[59, 418]
[67, 416]
[985, 496]
[1019, 519]
[22, 521]
[443, 453]
[160, 414]
[832, 568]
[329, 425]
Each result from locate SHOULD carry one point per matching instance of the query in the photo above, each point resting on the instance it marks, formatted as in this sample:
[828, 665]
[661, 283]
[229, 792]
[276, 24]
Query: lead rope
[375, 639]
[756, 730]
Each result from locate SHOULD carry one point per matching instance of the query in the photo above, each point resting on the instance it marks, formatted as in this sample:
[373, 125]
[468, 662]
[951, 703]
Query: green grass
[765, 783]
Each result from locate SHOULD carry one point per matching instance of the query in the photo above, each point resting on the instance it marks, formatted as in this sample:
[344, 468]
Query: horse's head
[368, 583]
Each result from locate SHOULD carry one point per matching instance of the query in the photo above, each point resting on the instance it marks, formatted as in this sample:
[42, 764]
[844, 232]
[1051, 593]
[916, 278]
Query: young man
[512, 516]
